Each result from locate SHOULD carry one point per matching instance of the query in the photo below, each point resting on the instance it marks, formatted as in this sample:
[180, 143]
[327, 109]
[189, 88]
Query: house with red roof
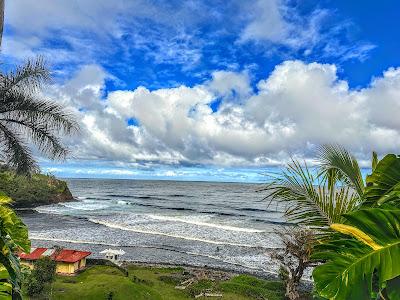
[68, 261]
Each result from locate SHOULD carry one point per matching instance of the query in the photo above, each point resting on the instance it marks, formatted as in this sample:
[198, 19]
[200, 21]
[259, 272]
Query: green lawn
[105, 282]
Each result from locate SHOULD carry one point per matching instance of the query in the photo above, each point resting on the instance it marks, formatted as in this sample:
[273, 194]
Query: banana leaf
[368, 246]
[383, 185]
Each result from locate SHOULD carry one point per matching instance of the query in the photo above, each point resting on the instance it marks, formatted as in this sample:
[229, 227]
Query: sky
[213, 90]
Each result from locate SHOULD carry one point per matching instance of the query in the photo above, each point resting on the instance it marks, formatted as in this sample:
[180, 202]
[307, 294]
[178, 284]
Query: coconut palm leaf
[25, 118]
[383, 185]
[338, 164]
[308, 199]
[368, 246]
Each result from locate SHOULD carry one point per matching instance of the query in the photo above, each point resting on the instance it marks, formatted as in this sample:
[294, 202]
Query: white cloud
[276, 22]
[267, 22]
[298, 107]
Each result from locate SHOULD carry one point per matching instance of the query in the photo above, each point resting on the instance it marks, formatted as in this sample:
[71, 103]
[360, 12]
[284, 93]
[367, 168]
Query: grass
[107, 282]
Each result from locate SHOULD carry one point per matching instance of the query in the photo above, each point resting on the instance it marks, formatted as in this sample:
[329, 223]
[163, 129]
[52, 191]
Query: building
[68, 261]
[113, 255]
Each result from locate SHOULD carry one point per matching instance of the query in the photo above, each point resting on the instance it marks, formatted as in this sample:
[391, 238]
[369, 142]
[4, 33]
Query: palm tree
[320, 196]
[26, 116]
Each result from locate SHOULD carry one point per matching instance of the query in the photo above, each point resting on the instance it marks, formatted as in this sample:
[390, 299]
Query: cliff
[33, 191]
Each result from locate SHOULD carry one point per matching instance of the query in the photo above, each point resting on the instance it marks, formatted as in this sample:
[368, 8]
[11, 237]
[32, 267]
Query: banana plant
[13, 238]
[383, 185]
[364, 251]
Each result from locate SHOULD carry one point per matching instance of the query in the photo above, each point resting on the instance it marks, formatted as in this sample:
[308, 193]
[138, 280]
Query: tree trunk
[1, 20]
[292, 292]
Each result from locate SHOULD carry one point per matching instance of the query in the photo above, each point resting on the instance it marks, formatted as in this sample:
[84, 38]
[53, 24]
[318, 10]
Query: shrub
[295, 258]
[44, 270]
[34, 286]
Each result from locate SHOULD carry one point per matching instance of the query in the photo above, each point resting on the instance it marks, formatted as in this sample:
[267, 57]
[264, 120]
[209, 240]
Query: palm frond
[40, 110]
[308, 199]
[17, 155]
[25, 116]
[42, 134]
[28, 78]
[337, 164]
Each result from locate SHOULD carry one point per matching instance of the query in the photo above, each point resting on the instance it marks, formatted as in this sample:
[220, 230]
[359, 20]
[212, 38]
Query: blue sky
[213, 90]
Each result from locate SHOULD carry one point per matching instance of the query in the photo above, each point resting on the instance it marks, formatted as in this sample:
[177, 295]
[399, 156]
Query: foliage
[383, 185]
[361, 259]
[308, 198]
[34, 190]
[253, 287]
[352, 263]
[337, 164]
[295, 257]
[96, 282]
[44, 272]
[34, 286]
[25, 116]
[44, 269]
[13, 238]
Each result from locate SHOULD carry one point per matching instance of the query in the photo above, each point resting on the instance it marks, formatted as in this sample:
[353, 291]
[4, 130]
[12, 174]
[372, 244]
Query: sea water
[222, 225]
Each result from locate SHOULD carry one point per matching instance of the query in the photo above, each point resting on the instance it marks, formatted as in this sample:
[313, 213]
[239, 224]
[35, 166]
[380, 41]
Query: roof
[113, 251]
[71, 256]
[35, 254]
[64, 255]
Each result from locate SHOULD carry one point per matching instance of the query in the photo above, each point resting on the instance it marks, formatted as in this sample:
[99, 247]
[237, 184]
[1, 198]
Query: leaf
[374, 160]
[393, 288]
[5, 291]
[357, 233]
[350, 263]
[15, 228]
[306, 204]
[336, 161]
[383, 185]
[4, 199]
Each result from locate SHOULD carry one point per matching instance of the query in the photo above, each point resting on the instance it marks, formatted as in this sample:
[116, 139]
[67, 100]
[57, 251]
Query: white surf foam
[189, 220]
[124, 227]
[44, 238]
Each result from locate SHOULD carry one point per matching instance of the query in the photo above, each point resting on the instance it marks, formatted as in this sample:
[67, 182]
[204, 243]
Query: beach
[219, 225]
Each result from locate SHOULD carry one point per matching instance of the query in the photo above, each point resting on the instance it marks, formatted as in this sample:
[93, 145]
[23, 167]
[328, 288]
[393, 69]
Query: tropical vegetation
[13, 239]
[155, 283]
[28, 117]
[357, 221]
[33, 190]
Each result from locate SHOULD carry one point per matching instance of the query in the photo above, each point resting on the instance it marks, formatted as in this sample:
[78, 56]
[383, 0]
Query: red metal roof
[64, 255]
[34, 255]
[71, 256]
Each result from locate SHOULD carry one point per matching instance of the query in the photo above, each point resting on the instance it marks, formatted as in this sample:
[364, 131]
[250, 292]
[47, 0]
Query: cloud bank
[296, 108]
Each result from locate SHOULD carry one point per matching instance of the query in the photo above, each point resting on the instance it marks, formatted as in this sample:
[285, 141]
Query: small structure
[113, 255]
[68, 261]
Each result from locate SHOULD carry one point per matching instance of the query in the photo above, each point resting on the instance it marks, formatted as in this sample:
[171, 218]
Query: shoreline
[156, 252]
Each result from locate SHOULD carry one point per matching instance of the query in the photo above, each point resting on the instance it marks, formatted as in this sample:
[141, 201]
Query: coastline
[135, 254]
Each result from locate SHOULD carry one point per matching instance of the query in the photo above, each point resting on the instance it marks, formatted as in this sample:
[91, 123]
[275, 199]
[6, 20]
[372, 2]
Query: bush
[200, 287]
[294, 258]
[33, 286]
[44, 270]
[171, 279]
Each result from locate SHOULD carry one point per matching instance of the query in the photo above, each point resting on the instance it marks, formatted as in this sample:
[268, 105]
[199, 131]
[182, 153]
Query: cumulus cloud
[296, 108]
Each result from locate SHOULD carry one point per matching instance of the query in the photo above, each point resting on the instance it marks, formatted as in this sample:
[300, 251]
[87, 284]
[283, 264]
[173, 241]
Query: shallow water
[225, 225]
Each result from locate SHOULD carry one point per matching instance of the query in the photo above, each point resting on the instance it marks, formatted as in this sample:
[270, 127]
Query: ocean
[222, 225]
